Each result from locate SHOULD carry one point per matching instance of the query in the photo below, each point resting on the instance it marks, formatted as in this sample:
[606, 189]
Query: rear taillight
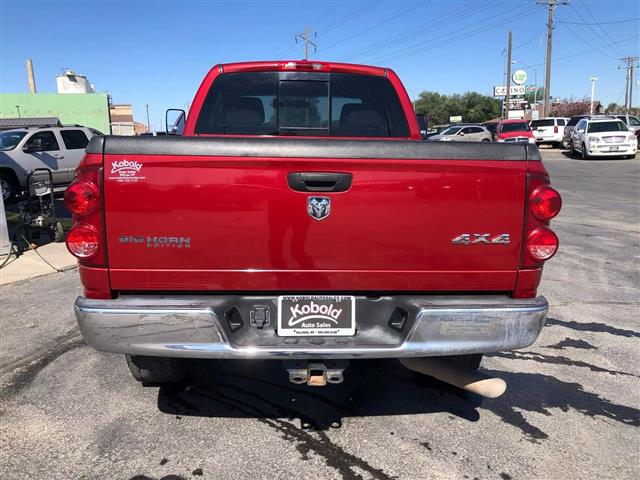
[81, 198]
[555, 129]
[85, 240]
[541, 244]
[545, 203]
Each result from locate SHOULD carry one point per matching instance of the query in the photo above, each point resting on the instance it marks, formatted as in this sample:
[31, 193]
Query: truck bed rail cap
[276, 147]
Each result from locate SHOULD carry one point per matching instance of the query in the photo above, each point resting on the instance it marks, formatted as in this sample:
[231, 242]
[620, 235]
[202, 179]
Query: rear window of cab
[302, 103]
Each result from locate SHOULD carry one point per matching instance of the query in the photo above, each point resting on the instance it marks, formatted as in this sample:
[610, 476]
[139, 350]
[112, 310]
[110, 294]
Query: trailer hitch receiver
[316, 373]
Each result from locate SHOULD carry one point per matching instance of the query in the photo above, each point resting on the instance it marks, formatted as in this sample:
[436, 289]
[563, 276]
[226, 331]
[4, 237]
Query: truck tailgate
[219, 214]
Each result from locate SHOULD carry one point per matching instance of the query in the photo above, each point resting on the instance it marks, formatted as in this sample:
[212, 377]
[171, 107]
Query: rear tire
[583, 153]
[155, 369]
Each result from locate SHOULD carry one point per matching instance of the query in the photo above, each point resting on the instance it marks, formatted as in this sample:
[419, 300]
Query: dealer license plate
[316, 315]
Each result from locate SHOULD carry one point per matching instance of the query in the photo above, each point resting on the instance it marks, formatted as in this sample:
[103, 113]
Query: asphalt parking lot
[572, 409]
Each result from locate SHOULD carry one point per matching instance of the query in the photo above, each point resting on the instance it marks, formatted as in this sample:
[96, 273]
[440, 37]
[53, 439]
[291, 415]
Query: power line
[537, 35]
[372, 27]
[450, 38]
[286, 49]
[601, 23]
[339, 23]
[589, 29]
[590, 50]
[442, 23]
[587, 42]
[331, 26]
[586, 7]
[408, 34]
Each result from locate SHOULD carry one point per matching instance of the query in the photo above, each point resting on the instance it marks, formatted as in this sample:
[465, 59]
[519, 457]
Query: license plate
[316, 315]
[613, 149]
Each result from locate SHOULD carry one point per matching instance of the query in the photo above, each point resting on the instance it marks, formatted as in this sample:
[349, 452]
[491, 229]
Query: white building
[70, 82]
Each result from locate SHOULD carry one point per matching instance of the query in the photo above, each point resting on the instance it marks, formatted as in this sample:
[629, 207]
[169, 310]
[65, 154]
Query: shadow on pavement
[261, 389]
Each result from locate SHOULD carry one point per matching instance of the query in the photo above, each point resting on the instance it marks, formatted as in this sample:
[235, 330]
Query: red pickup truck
[300, 217]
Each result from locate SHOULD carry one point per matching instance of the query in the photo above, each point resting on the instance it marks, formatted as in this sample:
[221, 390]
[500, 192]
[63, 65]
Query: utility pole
[547, 80]
[148, 124]
[507, 95]
[628, 92]
[304, 37]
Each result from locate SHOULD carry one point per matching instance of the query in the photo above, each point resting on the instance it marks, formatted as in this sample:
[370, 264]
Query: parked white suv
[605, 137]
[549, 130]
[59, 149]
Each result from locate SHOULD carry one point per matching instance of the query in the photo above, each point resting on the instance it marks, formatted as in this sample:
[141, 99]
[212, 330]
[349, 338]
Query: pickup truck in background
[300, 217]
[22, 150]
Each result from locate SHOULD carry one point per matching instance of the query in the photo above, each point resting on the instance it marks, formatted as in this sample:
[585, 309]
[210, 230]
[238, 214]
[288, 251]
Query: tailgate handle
[319, 181]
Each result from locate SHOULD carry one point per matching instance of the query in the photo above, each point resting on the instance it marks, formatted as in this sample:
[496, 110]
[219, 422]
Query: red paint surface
[241, 215]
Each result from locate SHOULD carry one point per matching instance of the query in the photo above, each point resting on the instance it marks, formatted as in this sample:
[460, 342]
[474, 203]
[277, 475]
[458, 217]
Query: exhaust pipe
[464, 378]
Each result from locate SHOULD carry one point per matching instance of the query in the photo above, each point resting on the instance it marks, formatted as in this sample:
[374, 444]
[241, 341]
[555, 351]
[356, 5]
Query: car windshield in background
[542, 123]
[515, 127]
[599, 127]
[451, 131]
[302, 103]
[9, 140]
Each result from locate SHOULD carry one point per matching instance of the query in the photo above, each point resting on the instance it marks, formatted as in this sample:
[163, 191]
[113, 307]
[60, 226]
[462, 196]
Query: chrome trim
[193, 327]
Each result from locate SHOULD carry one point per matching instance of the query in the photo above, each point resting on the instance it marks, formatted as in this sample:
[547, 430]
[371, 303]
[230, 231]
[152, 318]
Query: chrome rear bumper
[199, 327]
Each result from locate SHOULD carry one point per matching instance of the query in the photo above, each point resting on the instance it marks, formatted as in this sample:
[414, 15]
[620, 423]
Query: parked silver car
[463, 133]
[59, 149]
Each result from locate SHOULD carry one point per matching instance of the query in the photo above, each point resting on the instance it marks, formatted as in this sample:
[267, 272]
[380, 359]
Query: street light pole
[148, 124]
[593, 91]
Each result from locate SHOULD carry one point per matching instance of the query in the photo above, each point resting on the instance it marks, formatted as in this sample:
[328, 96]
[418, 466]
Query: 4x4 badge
[466, 239]
[319, 208]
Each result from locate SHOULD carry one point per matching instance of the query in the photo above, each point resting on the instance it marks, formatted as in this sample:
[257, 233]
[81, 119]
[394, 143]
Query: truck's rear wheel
[155, 369]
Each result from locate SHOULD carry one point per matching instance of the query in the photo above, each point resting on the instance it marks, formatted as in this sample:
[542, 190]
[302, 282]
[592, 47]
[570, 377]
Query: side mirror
[27, 149]
[174, 120]
[461, 134]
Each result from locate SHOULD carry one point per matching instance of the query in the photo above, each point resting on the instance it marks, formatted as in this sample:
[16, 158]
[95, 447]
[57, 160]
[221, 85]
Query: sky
[156, 53]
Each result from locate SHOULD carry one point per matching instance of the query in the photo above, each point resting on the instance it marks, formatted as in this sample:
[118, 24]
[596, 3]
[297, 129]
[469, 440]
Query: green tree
[615, 108]
[531, 96]
[471, 106]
